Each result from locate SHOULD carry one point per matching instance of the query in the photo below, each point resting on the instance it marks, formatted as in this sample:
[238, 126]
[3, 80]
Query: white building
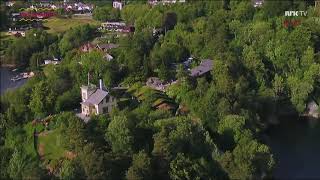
[117, 4]
[108, 57]
[49, 61]
[257, 3]
[96, 101]
[10, 3]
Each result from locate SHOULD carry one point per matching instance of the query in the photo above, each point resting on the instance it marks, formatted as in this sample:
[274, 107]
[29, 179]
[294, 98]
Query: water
[295, 144]
[6, 74]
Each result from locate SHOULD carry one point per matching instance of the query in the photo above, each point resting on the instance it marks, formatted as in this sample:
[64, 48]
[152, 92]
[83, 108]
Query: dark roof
[107, 46]
[204, 67]
[97, 96]
[86, 103]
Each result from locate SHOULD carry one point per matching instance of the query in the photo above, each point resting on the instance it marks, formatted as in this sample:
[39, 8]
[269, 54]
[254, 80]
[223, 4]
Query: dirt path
[43, 133]
[41, 151]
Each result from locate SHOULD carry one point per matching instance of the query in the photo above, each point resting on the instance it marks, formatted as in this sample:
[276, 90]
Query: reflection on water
[295, 144]
[6, 74]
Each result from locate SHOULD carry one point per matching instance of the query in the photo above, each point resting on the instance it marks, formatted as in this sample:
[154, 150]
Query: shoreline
[6, 83]
[8, 65]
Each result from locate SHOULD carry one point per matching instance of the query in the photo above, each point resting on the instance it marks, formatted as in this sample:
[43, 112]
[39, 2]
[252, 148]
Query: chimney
[100, 83]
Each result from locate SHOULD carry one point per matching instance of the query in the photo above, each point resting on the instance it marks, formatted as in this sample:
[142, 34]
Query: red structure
[37, 15]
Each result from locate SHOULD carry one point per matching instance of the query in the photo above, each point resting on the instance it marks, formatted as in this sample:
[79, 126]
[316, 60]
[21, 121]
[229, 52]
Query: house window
[105, 110]
[83, 95]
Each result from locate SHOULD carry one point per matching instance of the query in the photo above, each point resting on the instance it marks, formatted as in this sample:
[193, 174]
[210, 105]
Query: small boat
[16, 78]
[14, 70]
[24, 75]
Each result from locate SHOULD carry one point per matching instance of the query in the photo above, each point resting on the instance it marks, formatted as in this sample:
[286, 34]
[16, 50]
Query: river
[295, 144]
[6, 74]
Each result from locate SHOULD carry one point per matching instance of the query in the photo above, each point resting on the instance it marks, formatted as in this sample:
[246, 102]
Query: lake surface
[6, 74]
[296, 146]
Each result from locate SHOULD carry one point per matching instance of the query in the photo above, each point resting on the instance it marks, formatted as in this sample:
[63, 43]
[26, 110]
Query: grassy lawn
[50, 145]
[4, 36]
[59, 25]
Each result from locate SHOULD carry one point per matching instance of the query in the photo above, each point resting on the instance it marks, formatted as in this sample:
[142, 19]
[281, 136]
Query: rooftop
[107, 46]
[204, 67]
[97, 96]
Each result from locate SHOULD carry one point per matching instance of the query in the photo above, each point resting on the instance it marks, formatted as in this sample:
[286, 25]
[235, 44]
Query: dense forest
[261, 70]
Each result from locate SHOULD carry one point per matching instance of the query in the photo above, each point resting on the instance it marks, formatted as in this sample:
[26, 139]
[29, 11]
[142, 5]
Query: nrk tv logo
[292, 22]
[295, 13]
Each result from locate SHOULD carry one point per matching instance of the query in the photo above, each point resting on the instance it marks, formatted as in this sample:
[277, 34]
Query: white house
[257, 3]
[54, 7]
[108, 57]
[49, 61]
[117, 4]
[53, 61]
[10, 3]
[96, 101]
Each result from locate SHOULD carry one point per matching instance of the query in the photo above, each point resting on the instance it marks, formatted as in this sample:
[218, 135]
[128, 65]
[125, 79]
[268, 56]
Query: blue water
[295, 144]
[5, 83]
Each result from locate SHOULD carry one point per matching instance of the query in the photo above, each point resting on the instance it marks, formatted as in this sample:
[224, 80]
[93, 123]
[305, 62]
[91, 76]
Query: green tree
[36, 60]
[182, 167]
[67, 101]
[169, 20]
[245, 158]
[140, 168]
[4, 17]
[4, 162]
[69, 170]
[106, 13]
[75, 37]
[182, 74]
[92, 162]
[163, 72]
[42, 100]
[21, 166]
[119, 134]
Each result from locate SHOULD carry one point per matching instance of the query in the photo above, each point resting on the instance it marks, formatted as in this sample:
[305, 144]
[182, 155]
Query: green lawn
[50, 145]
[4, 36]
[59, 25]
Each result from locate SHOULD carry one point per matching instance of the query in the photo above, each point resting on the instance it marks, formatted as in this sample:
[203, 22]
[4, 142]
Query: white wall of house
[101, 105]
[97, 106]
[85, 110]
[117, 5]
[85, 93]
